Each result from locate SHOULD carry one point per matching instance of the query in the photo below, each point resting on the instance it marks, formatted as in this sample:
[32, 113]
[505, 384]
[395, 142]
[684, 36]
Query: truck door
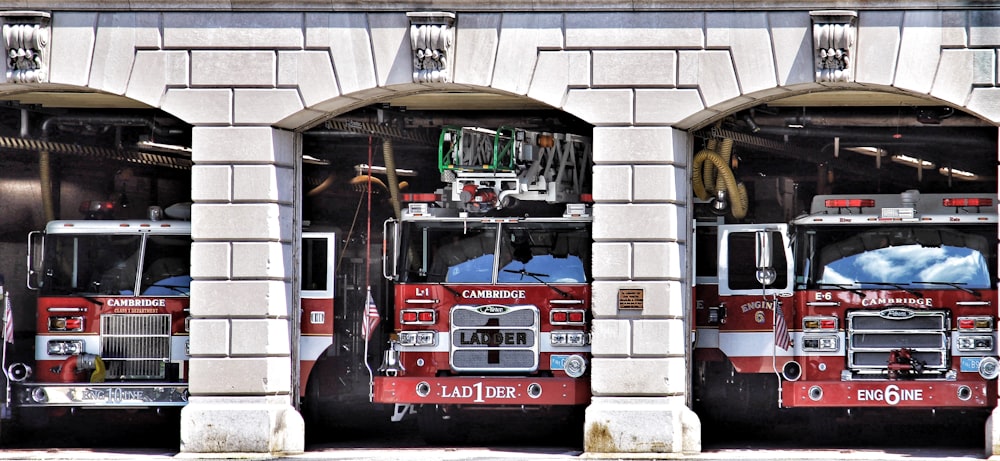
[755, 259]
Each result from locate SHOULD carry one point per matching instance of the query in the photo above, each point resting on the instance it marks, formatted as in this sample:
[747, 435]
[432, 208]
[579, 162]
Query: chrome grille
[873, 335]
[494, 338]
[135, 346]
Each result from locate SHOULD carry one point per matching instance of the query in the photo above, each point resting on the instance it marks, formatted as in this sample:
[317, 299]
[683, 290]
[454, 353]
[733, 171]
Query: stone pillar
[243, 186]
[639, 376]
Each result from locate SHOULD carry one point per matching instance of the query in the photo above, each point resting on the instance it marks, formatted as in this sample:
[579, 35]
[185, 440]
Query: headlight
[65, 347]
[975, 343]
[820, 343]
[418, 338]
[568, 338]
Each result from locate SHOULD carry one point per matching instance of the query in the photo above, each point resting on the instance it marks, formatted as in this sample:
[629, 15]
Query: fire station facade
[249, 76]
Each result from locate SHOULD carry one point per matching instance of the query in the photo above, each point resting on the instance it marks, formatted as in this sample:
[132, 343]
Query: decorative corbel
[834, 36]
[26, 44]
[432, 37]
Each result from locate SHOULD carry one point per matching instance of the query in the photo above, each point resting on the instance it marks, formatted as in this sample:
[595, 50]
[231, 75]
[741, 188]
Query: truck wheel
[439, 427]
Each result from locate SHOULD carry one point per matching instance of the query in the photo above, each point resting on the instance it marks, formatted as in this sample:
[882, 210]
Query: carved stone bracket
[26, 44]
[834, 36]
[432, 37]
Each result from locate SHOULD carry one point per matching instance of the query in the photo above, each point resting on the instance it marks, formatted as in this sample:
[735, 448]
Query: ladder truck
[491, 282]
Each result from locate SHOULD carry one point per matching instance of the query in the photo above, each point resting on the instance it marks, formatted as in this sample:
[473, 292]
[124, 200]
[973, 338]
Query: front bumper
[482, 390]
[937, 394]
[100, 395]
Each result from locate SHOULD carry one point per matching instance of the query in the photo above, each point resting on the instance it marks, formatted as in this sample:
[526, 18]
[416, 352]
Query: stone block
[73, 37]
[791, 34]
[638, 376]
[153, 71]
[263, 145]
[212, 183]
[309, 71]
[746, 35]
[240, 376]
[960, 70]
[658, 338]
[264, 107]
[657, 261]
[635, 29]
[118, 36]
[240, 299]
[616, 425]
[521, 36]
[263, 183]
[390, 36]
[476, 38]
[919, 51]
[601, 107]
[713, 73]
[646, 222]
[209, 337]
[555, 72]
[666, 107]
[878, 46]
[984, 28]
[661, 299]
[611, 338]
[232, 30]
[200, 106]
[612, 183]
[635, 68]
[261, 260]
[954, 28]
[241, 425]
[660, 183]
[234, 68]
[259, 221]
[626, 145]
[260, 337]
[211, 260]
[985, 102]
[613, 260]
[353, 63]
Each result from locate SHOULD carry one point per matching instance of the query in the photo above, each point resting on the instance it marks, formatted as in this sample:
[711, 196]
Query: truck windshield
[91, 264]
[507, 252]
[901, 257]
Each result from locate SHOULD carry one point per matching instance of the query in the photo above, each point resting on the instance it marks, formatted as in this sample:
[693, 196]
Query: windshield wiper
[898, 286]
[538, 277]
[844, 286]
[956, 285]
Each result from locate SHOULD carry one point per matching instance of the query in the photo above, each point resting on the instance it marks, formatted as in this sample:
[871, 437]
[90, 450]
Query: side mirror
[766, 274]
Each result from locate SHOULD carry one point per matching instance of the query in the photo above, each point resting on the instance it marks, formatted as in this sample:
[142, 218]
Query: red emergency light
[849, 203]
[421, 316]
[968, 201]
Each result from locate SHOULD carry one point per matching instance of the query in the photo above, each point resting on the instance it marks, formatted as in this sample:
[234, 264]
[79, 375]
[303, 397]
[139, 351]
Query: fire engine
[865, 303]
[113, 314]
[491, 294]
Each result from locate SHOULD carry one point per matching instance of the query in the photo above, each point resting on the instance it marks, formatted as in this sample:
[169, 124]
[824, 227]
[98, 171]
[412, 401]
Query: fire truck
[491, 282]
[864, 304]
[113, 315]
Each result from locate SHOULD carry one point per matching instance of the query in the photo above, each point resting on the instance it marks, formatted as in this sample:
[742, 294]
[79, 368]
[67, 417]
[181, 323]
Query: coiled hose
[710, 172]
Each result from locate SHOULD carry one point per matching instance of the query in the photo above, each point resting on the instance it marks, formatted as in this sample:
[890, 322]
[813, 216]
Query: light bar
[969, 201]
[849, 203]
[418, 317]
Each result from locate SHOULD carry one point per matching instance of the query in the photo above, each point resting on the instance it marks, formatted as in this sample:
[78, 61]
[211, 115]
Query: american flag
[8, 320]
[781, 337]
[372, 318]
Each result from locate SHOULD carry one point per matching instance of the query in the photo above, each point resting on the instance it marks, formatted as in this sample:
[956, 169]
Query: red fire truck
[492, 295]
[866, 302]
[113, 315]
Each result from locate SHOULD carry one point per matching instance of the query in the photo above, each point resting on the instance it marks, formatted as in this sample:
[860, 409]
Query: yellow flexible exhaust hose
[720, 167]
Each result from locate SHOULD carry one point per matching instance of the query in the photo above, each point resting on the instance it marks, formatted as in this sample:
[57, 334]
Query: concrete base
[241, 425]
[993, 434]
[641, 425]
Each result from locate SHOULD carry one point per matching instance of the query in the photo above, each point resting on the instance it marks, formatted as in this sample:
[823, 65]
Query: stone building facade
[249, 77]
